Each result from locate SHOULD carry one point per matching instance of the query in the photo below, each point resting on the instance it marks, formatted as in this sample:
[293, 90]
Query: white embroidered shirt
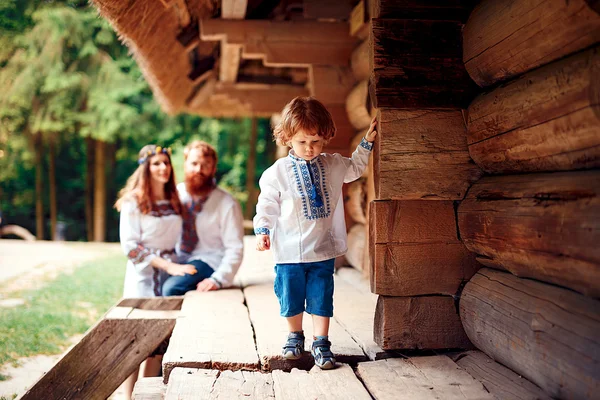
[301, 205]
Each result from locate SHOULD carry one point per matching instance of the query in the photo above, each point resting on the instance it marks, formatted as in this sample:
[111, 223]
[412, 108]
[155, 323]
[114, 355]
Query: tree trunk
[52, 185]
[39, 187]
[251, 171]
[89, 189]
[100, 192]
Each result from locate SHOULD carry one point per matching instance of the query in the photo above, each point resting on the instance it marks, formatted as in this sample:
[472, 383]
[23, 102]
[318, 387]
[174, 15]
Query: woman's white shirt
[144, 237]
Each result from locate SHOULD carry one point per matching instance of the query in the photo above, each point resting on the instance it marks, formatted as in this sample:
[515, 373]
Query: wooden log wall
[537, 130]
[544, 333]
[421, 170]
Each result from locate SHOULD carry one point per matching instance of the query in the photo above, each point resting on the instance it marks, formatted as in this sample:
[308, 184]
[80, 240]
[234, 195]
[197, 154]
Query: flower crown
[150, 153]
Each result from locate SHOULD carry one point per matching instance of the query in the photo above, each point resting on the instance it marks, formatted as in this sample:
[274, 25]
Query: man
[213, 231]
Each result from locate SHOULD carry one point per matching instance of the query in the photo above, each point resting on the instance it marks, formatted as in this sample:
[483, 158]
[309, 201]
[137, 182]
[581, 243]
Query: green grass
[66, 306]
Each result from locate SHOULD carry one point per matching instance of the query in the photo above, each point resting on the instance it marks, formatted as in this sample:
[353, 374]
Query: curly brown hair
[307, 114]
[138, 187]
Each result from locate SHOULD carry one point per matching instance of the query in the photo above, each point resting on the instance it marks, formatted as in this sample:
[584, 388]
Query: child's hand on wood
[263, 242]
[372, 132]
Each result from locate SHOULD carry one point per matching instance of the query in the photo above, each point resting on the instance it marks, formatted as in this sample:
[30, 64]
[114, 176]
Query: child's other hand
[372, 132]
[263, 242]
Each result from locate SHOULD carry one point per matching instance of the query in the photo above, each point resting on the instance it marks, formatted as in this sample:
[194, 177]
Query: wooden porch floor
[226, 345]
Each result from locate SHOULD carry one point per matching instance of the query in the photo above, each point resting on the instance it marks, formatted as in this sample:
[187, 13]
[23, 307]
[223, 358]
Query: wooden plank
[108, 353]
[418, 64]
[542, 226]
[229, 62]
[330, 85]
[500, 381]
[505, 38]
[435, 377]
[543, 332]
[153, 303]
[421, 322]
[233, 9]
[359, 20]
[189, 383]
[149, 389]
[448, 10]
[212, 331]
[339, 383]
[271, 332]
[548, 119]
[422, 154]
[354, 309]
[285, 43]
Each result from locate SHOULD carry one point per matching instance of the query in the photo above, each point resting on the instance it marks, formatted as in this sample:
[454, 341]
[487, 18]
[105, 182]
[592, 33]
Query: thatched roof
[182, 70]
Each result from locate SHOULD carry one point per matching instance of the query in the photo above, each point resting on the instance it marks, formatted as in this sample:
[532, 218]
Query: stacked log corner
[421, 170]
[545, 333]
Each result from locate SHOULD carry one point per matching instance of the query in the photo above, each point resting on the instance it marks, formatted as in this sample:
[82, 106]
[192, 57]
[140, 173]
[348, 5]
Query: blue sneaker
[294, 346]
[321, 351]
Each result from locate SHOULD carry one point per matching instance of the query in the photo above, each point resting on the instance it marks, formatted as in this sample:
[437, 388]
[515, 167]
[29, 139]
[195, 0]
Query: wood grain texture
[421, 322]
[359, 61]
[212, 331]
[546, 120]
[108, 353]
[191, 383]
[422, 154]
[153, 303]
[500, 381]
[505, 38]
[545, 333]
[149, 389]
[339, 383]
[418, 64]
[542, 226]
[354, 309]
[358, 106]
[271, 332]
[435, 377]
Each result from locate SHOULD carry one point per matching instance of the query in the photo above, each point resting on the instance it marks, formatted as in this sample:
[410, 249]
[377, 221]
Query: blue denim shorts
[305, 283]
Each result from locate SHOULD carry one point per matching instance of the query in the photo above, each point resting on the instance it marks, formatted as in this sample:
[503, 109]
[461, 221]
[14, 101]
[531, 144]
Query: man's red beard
[197, 184]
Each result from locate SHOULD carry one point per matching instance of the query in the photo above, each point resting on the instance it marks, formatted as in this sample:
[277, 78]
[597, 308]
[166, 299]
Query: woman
[150, 226]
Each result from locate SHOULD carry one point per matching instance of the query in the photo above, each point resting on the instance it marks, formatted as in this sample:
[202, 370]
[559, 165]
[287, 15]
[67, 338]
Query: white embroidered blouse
[144, 237]
[301, 205]
[220, 229]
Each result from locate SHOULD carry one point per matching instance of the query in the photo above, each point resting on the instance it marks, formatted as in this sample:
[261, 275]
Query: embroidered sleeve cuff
[217, 282]
[366, 145]
[139, 254]
[261, 231]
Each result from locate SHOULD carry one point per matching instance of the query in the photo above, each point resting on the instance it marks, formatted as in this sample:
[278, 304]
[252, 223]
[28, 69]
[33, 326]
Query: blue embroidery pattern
[314, 194]
[261, 231]
[366, 145]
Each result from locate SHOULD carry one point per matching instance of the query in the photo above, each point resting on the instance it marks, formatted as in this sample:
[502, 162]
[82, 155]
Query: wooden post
[52, 185]
[89, 188]
[39, 187]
